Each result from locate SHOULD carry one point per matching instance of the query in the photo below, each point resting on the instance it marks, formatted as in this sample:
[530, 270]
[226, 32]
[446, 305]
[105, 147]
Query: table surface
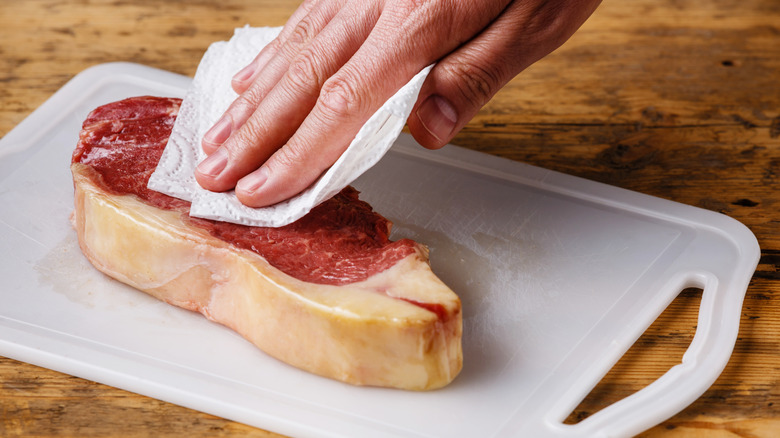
[678, 99]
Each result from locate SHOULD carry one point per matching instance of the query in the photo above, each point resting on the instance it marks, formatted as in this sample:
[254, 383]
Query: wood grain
[678, 99]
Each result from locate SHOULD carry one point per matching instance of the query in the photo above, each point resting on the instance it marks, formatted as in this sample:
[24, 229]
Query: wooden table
[678, 99]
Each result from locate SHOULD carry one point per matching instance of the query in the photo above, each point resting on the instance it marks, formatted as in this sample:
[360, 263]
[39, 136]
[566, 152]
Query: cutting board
[558, 277]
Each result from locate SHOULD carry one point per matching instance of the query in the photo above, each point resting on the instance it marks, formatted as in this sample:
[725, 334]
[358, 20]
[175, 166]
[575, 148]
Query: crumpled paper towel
[207, 99]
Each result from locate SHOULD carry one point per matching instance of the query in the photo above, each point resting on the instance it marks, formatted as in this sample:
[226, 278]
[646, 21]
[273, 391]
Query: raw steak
[330, 293]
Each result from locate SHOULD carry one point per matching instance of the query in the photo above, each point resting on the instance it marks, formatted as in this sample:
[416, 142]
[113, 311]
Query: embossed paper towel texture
[207, 99]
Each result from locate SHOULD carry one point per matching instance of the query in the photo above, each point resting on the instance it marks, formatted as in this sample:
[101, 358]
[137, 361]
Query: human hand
[335, 62]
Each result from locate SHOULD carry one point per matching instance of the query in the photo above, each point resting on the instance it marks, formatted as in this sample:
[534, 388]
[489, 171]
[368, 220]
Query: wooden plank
[675, 98]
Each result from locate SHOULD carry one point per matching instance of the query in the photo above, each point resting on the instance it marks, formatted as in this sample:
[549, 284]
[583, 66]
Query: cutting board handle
[702, 363]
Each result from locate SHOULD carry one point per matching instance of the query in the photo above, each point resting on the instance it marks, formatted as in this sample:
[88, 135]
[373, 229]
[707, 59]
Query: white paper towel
[207, 99]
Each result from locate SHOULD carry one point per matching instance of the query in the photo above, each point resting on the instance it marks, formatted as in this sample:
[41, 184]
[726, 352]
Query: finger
[342, 108]
[379, 68]
[286, 106]
[465, 80]
[243, 79]
[276, 60]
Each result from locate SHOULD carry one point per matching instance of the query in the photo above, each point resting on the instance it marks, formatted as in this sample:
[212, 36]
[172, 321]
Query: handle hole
[658, 349]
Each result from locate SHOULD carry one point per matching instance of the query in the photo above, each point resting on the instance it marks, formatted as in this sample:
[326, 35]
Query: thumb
[460, 84]
[466, 79]
[451, 96]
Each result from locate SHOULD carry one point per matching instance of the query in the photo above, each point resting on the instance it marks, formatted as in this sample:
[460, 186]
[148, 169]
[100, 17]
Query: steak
[329, 293]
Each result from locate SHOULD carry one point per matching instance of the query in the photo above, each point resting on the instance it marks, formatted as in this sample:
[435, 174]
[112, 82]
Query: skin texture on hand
[335, 62]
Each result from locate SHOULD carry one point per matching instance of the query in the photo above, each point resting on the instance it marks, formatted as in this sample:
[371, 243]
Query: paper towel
[207, 99]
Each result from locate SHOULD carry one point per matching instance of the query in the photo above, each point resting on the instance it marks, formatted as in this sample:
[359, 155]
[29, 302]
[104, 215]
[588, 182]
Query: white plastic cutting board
[558, 277]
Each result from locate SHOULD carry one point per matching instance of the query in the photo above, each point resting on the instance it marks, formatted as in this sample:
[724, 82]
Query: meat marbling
[330, 293]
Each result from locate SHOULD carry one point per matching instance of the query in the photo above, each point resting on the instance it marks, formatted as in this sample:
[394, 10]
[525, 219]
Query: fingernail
[438, 117]
[253, 181]
[245, 73]
[221, 130]
[214, 164]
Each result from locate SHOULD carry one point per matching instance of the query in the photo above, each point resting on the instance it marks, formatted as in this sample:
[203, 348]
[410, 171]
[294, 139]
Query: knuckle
[475, 82]
[305, 72]
[339, 97]
[408, 6]
[275, 45]
[303, 31]
[242, 108]
[247, 101]
[246, 140]
[290, 157]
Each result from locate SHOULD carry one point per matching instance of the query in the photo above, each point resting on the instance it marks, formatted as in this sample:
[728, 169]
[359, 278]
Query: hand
[335, 62]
